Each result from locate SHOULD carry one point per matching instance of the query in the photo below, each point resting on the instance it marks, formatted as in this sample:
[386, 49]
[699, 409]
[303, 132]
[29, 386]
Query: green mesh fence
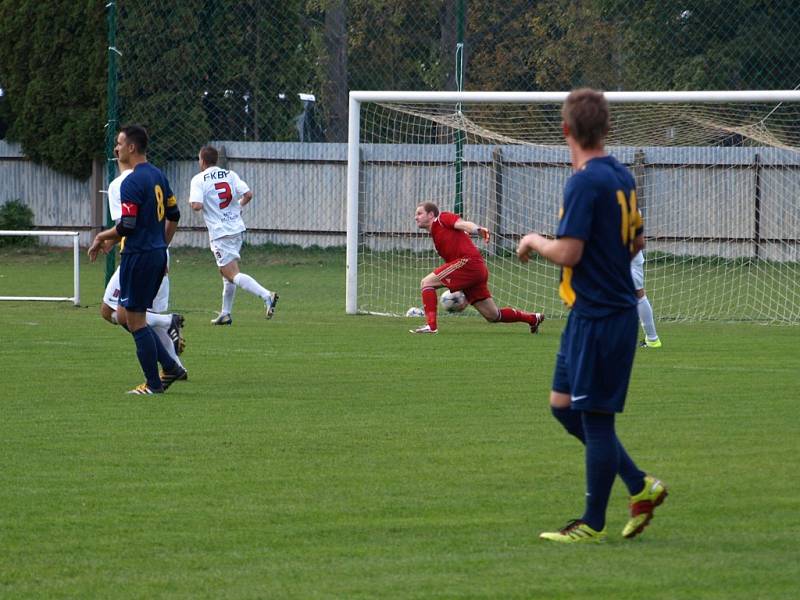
[199, 70]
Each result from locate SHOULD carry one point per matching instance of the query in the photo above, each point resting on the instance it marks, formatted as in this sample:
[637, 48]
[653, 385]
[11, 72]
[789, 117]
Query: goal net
[718, 183]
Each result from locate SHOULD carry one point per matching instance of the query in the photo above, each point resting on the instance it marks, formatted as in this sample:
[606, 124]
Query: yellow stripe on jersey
[565, 287]
[121, 244]
[172, 201]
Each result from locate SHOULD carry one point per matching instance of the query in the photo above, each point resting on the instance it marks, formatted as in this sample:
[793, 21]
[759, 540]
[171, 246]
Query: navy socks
[150, 351]
[574, 423]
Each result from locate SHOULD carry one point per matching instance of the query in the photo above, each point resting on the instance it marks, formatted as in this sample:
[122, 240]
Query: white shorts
[160, 303]
[637, 270]
[226, 249]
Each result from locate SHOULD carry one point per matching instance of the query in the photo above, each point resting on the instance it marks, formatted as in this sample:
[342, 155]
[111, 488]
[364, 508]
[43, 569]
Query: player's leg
[602, 465]
[231, 247]
[643, 306]
[108, 309]
[140, 279]
[430, 303]
[167, 326]
[228, 287]
[645, 311]
[489, 310]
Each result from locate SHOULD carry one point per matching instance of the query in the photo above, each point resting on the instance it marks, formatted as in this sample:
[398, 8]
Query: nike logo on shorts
[578, 398]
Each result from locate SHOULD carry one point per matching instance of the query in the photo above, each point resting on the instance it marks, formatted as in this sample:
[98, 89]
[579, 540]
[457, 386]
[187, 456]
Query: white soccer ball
[415, 311]
[453, 301]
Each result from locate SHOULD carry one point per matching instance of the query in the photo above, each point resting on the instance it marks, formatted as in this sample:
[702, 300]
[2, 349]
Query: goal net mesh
[718, 186]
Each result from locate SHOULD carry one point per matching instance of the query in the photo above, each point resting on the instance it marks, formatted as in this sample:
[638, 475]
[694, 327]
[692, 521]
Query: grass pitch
[324, 456]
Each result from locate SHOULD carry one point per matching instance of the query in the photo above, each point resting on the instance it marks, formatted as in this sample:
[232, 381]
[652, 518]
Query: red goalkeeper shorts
[468, 275]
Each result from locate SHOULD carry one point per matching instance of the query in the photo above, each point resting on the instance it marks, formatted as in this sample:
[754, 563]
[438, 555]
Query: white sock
[165, 340]
[228, 294]
[158, 321]
[249, 284]
[646, 317]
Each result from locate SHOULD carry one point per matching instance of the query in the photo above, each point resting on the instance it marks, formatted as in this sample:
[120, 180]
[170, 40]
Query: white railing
[76, 270]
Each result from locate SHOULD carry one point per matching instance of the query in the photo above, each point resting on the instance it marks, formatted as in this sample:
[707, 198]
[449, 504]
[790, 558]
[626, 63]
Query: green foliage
[17, 216]
[53, 73]
[313, 456]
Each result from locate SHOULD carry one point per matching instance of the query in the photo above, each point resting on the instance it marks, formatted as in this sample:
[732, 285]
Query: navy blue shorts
[594, 362]
[140, 276]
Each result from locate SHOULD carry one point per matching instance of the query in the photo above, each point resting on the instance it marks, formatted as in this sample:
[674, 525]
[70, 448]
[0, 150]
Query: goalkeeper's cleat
[175, 333]
[645, 343]
[222, 319]
[424, 329]
[575, 532]
[143, 389]
[643, 505]
[270, 304]
[539, 321]
[177, 374]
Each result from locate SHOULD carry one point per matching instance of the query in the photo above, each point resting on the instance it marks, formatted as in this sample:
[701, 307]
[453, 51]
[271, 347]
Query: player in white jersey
[651, 339]
[168, 327]
[221, 194]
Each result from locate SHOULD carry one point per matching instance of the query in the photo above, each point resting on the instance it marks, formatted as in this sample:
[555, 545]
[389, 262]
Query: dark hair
[136, 135]
[209, 155]
[586, 114]
[430, 207]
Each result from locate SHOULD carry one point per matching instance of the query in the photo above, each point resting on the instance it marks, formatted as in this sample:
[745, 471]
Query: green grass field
[324, 456]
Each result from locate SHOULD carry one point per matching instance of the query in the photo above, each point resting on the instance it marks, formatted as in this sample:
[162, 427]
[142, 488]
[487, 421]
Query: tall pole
[111, 122]
[458, 207]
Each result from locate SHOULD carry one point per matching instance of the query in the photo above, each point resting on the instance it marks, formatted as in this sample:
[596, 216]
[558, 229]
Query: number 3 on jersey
[224, 193]
[631, 217]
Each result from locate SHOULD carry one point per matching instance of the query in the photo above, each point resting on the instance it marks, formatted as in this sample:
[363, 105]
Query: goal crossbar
[76, 280]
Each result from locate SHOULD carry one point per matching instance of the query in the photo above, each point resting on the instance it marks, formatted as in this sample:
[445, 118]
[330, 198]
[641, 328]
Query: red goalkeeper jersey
[450, 243]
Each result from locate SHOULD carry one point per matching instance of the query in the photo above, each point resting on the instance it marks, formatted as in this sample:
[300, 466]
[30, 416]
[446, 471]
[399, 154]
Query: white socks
[249, 284]
[646, 317]
[158, 321]
[228, 293]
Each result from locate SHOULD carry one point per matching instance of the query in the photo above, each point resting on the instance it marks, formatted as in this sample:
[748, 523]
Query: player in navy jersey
[464, 270]
[147, 200]
[599, 231]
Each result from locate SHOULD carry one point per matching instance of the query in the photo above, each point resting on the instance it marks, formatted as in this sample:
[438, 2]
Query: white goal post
[718, 176]
[76, 266]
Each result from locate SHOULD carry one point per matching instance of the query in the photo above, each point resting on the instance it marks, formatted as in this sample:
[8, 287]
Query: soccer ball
[415, 311]
[453, 301]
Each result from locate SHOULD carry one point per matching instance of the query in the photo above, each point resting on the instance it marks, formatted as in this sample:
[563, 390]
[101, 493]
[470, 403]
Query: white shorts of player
[226, 249]
[637, 270]
[160, 304]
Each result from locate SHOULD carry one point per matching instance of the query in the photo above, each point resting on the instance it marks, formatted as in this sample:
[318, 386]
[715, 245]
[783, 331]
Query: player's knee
[106, 312]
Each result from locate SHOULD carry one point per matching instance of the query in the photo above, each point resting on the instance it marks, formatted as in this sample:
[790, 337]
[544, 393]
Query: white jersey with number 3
[219, 191]
[115, 196]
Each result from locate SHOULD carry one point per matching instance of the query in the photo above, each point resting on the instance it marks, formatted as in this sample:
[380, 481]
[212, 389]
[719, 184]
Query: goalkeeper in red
[464, 270]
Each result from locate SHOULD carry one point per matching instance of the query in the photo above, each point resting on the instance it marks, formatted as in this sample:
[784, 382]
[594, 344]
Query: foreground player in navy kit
[599, 231]
[147, 200]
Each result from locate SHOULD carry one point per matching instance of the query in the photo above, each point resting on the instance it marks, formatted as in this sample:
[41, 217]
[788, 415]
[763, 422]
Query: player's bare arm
[565, 251]
[198, 206]
[245, 199]
[170, 227]
[472, 229]
[103, 241]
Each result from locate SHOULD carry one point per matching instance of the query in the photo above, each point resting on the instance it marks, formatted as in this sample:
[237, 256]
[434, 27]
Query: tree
[53, 74]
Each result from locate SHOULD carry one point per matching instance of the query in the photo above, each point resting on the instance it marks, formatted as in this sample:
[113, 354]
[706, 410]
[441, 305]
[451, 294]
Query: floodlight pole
[458, 205]
[111, 121]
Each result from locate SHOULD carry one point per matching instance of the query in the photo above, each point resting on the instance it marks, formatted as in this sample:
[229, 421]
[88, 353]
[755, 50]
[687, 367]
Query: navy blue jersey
[600, 209]
[147, 197]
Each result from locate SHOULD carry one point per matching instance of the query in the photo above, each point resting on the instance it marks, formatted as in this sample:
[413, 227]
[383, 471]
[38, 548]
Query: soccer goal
[76, 266]
[718, 182]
